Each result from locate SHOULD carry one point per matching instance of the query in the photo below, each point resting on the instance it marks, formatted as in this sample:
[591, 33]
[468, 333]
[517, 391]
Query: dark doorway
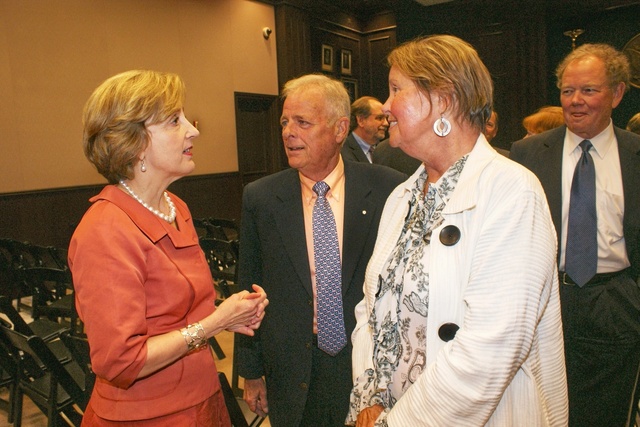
[260, 150]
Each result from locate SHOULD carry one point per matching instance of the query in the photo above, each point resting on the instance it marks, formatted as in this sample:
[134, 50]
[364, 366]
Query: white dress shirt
[612, 252]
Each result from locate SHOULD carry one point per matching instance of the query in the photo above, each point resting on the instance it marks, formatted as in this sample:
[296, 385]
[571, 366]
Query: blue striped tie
[331, 333]
[581, 259]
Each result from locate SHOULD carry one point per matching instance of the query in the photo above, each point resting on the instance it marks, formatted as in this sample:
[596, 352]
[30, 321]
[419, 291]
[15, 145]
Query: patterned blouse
[402, 302]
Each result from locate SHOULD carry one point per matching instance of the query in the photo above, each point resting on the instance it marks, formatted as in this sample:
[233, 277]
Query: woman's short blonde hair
[116, 116]
[451, 67]
[546, 118]
[633, 125]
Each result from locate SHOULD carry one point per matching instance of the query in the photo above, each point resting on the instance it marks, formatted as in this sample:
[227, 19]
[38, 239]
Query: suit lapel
[629, 152]
[550, 175]
[355, 148]
[358, 214]
[289, 218]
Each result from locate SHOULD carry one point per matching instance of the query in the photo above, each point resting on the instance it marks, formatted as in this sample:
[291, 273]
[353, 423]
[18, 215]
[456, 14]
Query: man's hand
[255, 394]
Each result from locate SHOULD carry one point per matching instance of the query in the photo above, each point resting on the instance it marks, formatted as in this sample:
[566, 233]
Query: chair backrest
[44, 256]
[14, 317]
[229, 227]
[47, 329]
[222, 256]
[38, 349]
[81, 353]
[22, 255]
[51, 283]
[61, 256]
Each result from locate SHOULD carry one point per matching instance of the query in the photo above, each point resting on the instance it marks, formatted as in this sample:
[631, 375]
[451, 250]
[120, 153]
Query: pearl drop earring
[143, 168]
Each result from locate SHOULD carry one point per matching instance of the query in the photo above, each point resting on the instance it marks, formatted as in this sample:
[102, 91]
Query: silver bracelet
[194, 336]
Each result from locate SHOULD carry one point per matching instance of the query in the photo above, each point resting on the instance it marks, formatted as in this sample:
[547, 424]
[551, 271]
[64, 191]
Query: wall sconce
[573, 34]
[266, 32]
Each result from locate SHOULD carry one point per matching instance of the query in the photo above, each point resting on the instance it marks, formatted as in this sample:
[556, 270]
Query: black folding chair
[55, 388]
[80, 352]
[52, 291]
[235, 412]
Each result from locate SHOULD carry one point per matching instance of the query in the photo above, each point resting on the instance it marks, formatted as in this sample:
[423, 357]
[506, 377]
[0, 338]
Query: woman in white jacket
[460, 324]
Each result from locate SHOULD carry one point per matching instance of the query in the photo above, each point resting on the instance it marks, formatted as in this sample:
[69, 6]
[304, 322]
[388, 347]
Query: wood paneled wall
[49, 217]
[303, 30]
[522, 42]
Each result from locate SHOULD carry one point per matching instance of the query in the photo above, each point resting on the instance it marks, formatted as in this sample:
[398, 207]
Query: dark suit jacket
[395, 158]
[600, 323]
[273, 254]
[351, 151]
[542, 154]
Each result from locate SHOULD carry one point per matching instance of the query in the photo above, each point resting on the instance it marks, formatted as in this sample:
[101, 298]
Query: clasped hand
[243, 311]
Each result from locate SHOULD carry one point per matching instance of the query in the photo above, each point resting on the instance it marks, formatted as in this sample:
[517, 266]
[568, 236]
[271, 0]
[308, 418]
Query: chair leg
[13, 401]
[17, 409]
[213, 342]
[235, 381]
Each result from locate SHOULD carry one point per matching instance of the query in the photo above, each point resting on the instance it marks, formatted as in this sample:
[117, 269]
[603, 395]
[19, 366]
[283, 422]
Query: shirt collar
[601, 143]
[333, 180]
[364, 145]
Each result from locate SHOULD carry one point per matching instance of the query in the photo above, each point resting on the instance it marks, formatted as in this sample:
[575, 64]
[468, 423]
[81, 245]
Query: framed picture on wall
[327, 58]
[345, 62]
[352, 88]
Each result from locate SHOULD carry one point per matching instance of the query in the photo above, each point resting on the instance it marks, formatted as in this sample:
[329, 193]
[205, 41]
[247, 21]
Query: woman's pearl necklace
[172, 208]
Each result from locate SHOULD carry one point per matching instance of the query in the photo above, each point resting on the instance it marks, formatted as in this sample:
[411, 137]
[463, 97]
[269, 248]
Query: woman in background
[460, 323]
[633, 125]
[143, 287]
[546, 118]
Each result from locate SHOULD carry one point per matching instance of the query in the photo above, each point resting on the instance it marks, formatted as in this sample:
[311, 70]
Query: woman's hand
[368, 416]
[242, 312]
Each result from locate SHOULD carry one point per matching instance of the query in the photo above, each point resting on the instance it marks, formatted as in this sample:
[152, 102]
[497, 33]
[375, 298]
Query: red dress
[137, 276]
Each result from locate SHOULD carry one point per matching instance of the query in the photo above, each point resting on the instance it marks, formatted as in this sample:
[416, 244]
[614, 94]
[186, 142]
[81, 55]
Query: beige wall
[53, 53]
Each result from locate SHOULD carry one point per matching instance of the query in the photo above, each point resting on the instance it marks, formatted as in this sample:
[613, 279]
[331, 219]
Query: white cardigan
[499, 283]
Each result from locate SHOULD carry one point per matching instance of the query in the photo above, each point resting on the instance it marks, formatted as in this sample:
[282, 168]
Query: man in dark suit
[306, 386]
[368, 127]
[395, 158]
[601, 310]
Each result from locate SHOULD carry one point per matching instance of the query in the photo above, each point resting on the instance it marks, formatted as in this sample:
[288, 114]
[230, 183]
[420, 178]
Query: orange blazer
[136, 276]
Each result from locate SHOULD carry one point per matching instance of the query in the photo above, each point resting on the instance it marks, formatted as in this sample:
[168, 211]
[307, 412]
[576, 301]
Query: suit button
[304, 386]
[308, 345]
[450, 235]
[448, 331]
[310, 302]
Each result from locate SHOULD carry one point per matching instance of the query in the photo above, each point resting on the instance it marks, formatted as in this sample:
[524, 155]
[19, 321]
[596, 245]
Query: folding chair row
[16, 256]
[57, 389]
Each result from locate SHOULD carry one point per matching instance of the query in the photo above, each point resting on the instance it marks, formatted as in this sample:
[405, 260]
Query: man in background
[590, 171]
[368, 127]
[491, 127]
[307, 383]
[490, 132]
[395, 158]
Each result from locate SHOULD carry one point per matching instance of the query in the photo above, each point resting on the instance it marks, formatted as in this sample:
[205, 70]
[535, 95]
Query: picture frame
[352, 87]
[327, 58]
[345, 62]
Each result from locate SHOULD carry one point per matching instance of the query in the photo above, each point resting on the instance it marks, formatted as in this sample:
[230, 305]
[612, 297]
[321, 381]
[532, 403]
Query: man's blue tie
[331, 334]
[581, 259]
